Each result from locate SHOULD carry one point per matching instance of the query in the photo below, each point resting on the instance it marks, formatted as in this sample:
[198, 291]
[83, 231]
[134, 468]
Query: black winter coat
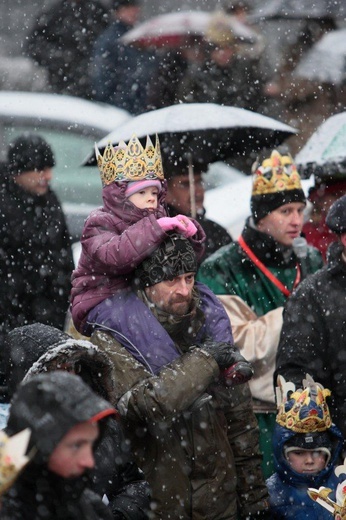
[35, 259]
[61, 41]
[313, 337]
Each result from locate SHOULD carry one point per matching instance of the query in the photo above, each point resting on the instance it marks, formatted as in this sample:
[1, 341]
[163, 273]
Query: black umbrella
[207, 131]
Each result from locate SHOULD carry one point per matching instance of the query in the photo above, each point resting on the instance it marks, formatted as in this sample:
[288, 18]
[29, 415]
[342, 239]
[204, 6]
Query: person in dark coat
[195, 438]
[120, 73]
[314, 330]
[66, 418]
[35, 248]
[307, 446]
[38, 348]
[178, 200]
[61, 41]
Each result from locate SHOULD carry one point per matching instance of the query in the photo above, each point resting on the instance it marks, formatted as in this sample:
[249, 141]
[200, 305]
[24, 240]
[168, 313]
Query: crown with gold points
[130, 162]
[277, 173]
[304, 410]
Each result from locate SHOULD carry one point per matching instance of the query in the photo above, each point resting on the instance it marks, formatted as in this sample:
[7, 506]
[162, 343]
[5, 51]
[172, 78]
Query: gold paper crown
[308, 411]
[130, 162]
[12, 457]
[278, 173]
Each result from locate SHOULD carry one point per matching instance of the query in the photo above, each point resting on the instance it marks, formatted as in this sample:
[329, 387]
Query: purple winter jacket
[116, 238]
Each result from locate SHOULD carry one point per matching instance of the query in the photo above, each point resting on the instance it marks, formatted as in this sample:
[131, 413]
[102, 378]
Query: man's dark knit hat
[29, 152]
[174, 256]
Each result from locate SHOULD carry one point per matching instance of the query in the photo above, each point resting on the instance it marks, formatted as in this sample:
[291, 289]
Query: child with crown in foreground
[127, 229]
[306, 446]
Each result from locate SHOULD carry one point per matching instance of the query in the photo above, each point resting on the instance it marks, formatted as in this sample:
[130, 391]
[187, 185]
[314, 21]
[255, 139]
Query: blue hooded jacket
[288, 489]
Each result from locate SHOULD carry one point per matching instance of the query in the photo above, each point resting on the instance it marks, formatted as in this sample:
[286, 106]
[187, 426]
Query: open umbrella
[202, 133]
[171, 29]
[208, 131]
[324, 154]
[298, 9]
[325, 62]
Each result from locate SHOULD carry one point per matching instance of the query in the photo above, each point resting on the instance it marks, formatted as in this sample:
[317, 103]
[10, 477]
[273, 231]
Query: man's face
[74, 453]
[173, 296]
[178, 193]
[35, 182]
[284, 224]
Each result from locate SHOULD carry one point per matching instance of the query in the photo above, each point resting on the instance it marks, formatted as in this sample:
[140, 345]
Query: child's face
[146, 198]
[307, 461]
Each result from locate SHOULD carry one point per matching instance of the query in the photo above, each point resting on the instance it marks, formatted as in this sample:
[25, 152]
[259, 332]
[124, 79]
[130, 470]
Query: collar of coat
[182, 329]
[267, 250]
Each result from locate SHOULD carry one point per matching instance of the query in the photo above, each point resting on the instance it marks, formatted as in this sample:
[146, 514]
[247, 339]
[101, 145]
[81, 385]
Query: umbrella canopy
[324, 154]
[171, 29]
[325, 62]
[207, 131]
[298, 9]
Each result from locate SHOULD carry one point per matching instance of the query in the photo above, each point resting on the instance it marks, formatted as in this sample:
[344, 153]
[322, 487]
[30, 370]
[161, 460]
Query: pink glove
[180, 223]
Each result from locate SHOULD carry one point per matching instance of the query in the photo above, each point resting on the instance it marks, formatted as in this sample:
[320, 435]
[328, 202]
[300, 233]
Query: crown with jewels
[304, 410]
[130, 162]
[277, 173]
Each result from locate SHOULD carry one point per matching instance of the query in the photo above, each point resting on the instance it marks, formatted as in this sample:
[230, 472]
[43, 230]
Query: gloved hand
[222, 352]
[180, 223]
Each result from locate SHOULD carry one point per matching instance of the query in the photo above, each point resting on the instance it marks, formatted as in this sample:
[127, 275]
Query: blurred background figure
[120, 73]
[231, 73]
[35, 252]
[321, 196]
[172, 65]
[179, 195]
[61, 40]
[301, 102]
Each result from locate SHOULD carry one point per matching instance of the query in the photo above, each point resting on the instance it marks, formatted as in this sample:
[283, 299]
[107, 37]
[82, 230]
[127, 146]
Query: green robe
[230, 271]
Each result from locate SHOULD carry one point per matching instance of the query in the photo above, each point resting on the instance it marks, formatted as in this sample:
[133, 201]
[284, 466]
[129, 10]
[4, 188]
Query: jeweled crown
[277, 173]
[306, 409]
[130, 162]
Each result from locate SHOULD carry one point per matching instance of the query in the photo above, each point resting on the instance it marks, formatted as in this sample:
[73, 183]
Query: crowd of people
[228, 63]
[195, 381]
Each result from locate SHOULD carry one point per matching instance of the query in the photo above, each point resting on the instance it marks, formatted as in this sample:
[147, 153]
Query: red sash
[266, 271]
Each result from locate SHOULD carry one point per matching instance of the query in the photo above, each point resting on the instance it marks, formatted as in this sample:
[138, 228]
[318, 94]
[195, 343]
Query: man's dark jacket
[313, 337]
[35, 259]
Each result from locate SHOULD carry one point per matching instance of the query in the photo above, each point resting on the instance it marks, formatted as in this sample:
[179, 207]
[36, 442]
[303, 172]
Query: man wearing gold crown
[255, 275]
[306, 446]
